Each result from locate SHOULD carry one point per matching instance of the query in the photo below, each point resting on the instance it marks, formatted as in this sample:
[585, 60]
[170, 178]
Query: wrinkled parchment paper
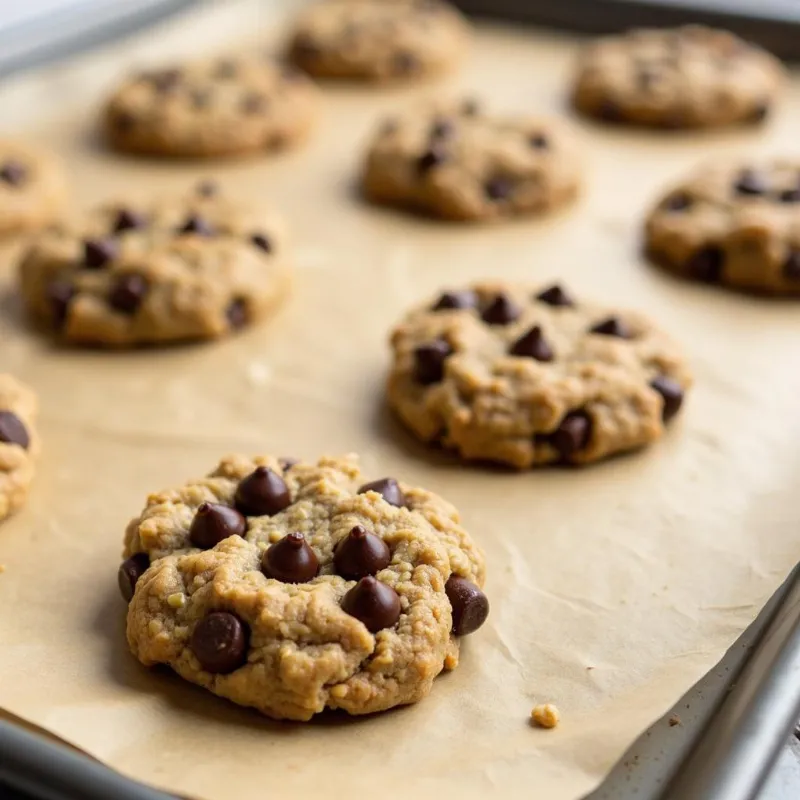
[612, 588]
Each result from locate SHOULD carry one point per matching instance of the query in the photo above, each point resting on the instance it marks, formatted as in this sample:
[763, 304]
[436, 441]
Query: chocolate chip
[532, 345]
[750, 182]
[373, 603]
[262, 242]
[706, 264]
[219, 642]
[128, 293]
[200, 98]
[470, 605]
[555, 296]
[212, 523]
[455, 300]
[760, 112]
[429, 361]
[129, 220]
[290, 560]
[98, 253]
[262, 493]
[12, 430]
[791, 267]
[287, 463]
[207, 188]
[442, 129]
[305, 46]
[123, 121]
[573, 434]
[13, 173]
[165, 80]
[613, 326]
[433, 157]
[470, 107]
[225, 69]
[361, 553]
[671, 393]
[195, 224]
[501, 311]
[59, 296]
[404, 63]
[388, 488]
[538, 141]
[790, 195]
[679, 201]
[609, 111]
[254, 103]
[498, 188]
[129, 573]
[236, 313]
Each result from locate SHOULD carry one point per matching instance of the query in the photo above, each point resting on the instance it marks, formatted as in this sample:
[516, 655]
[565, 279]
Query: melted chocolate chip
[262, 493]
[613, 326]
[129, 573]
[454, 300]
[470, 605]
[679, 201]
[760, 112]
[13, 430]
[373, 603]
[219, 642]
[128, 220]
[532, 345]
[501, 311]
[791, 267]
[790, 195]
[671, 393]
[59, 295]
[290, 560]
[750, 182]
[706, 264]
[236, 313]
[388, 488]
[431, 158]
[99, 253]
[555, 296]
[361, 553]
[429, 361]
[498, 188]
[213, 523]
[197, 225]
[13, 173]
[261, 242]
[305, 46]
[573, 434]
[128, 293]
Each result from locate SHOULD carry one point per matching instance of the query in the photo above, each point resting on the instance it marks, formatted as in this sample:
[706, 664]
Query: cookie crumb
[545, 715]
[674, 720]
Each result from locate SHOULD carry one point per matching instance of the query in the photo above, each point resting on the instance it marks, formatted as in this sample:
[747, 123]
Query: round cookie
[732, 224]
[383, 41]
[220, 107]
[688, 77]
[451, 160]
[194, 267]
[524, 376]
[31, 188]
[295, 587]
[19, 443]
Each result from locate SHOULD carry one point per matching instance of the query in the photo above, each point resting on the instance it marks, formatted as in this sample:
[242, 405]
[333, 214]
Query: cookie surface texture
[19, 443]
[456, 162]
[688, 77]
[525, 376]
[196, 266]
[295, 587]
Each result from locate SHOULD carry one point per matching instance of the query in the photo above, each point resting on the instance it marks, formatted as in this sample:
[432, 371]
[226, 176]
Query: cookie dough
[378, 41]
[293, 587]
[19, 443]
[220, 107]
[31, 188]
[454, 161]
[524, 376]
[129, 273]
[688, 77]
[736, 224]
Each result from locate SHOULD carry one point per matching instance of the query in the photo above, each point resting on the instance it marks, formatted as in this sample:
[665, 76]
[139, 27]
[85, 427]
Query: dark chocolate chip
[212, 523]
[290, 560]
[470, 605]
[287, 463]
[207, 188]
[429, 361]
[442, 128]
[790, 195]
[219, 642]
[706, 264]
[671, 393]
[388, 488]
[13, 430]
[59, 296]
[532, 345]
[750, 182]
[165, 80]
[555, 296]
[573, 434]
[433, 157]
[262, 493]
[501, 311]
[791, 267]
[373, 603]
[128, 293]
[195, 224]
[361, 553]
[13, 173]
[679, 201]
[538, 141]
[470, 107]
[225, 69]
[98, 253]
[254, 103]
[498, 188]
[613, 326]
[129, 573]
[262, 242]
[236, 313]
[129, 220]
[455, 300]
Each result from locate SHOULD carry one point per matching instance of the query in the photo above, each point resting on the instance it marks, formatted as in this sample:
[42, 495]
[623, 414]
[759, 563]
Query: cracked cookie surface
[19, 443]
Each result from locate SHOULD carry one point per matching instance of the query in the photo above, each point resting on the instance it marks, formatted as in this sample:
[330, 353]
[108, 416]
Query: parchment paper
[613, 588]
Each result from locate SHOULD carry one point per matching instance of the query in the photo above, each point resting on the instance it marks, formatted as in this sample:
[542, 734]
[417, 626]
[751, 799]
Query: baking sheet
[613, 588]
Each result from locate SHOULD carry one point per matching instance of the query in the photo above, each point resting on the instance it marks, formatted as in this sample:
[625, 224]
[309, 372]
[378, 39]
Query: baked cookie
[688, 77]
[19, 443]
[295, 587]
[378, 41]
[195, 267]
[451, 160]
[521, 376]
[732, 224]
[225, 106]
[31, 188]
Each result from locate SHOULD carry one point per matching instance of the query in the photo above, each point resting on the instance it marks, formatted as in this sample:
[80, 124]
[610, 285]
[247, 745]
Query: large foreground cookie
[689, 77]
[380, 41]
[294, 587]
[522, 376]
[194, 267]
[732, 224]
[453, 161]
[225, 106]
[19, 443]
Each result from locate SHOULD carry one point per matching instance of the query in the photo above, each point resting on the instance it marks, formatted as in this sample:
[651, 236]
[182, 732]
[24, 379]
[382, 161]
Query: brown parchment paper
[612, 588]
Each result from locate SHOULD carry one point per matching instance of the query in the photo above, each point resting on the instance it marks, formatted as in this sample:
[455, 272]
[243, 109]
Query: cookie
[732, 224]
[688, 77]
[19, 443]
[293, 587]
[128, 273]
[453, 161]
[220, 107]
[31, 188]
[383, 41]
[523, 376]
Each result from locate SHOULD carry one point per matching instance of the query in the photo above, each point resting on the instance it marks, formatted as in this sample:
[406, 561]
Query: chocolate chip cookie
[732, 224]
[293, 587]
[219, 107]
[524, 376]
[129, 273]
[385, 41]
[31, 187]
[19, 443]
[688, 77]
[454, 161]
